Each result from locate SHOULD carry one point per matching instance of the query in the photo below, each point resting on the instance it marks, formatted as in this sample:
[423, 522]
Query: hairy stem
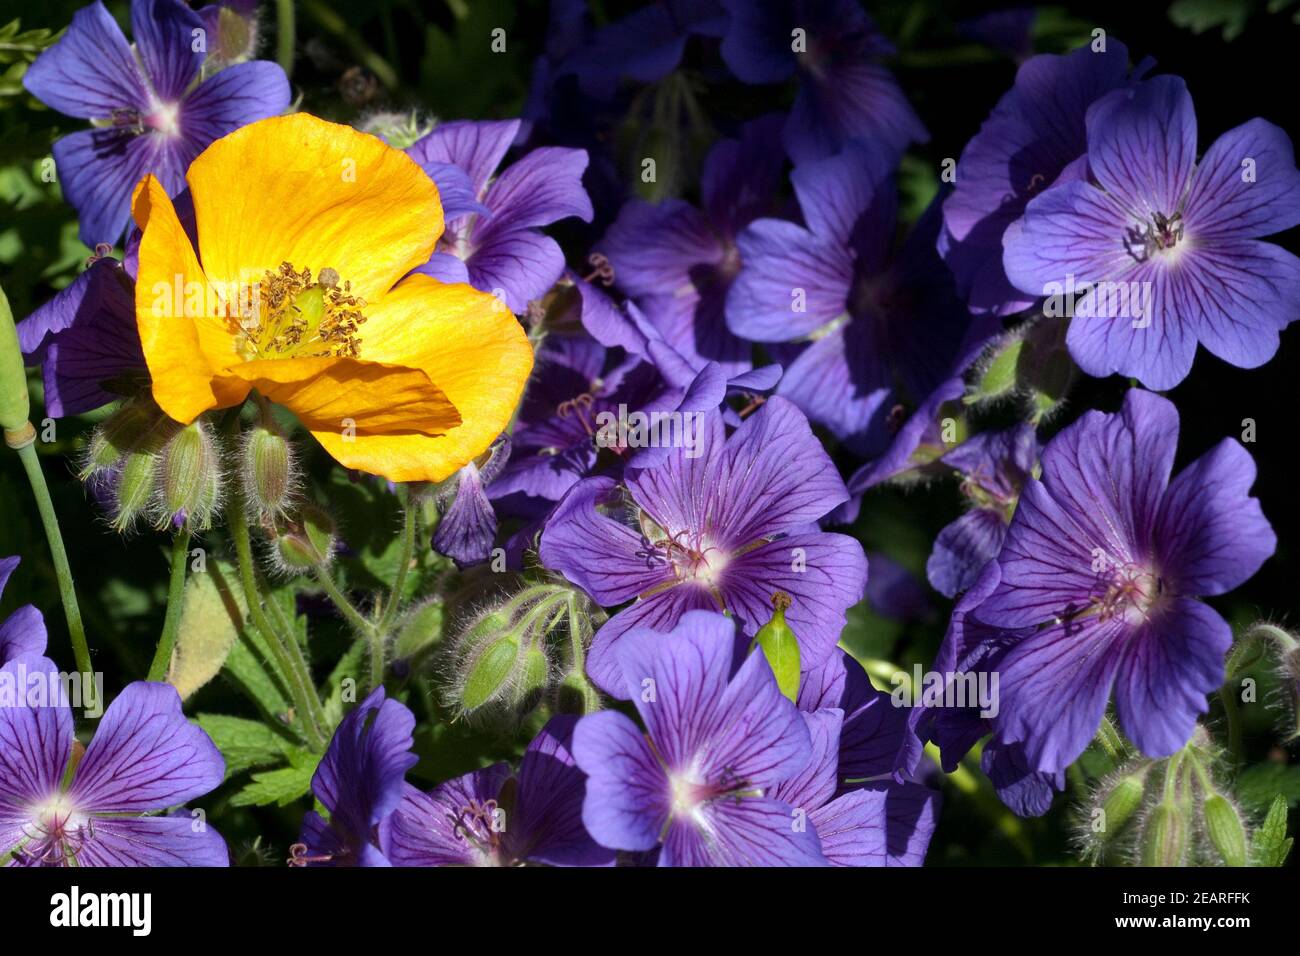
[175, 600]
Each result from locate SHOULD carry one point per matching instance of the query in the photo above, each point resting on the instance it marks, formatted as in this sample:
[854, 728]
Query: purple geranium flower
[844, 92]
[993, 466]
[1009, 31]
[723, 526]
[1030, 141]
[872, 824]
[974, 651]
[571, 408]
[1105, 557]
[645, 46]
[492, 237]
[880, 331]
[85, 340]
[154, 114]
[876, 741]
[492, 817]
[145, 757]
[1176, 240]
[699, 781]
[677, 262]
[360, 782]
[23, 631]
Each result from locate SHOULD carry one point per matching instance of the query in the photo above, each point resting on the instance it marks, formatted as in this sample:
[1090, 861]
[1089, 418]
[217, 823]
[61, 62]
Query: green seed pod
[15, 406]
[189, 482]
[1164, 839]
[268, 471]
[1225, 828]
[781, 647]
[488, 676]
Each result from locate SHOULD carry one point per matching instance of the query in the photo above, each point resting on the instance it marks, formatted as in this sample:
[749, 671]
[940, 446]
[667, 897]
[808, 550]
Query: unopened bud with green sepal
[1226, 831]
[780, 647]
[268, 471]
[190, 480]
[15, 405]
[1165, 836]
[489, 671]
[308, 542]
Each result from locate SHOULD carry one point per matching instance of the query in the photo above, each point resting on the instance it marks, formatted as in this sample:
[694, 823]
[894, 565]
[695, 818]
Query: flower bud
[135, 426]
[307, 542]
[780, 647]
[189, 481]
[15, 406]
[997, 378]
[488, 676]
[269, 472]
[133, 488]
[1165, 837]
[398, 130]
[530, 679]
[1227, 833]
[1122, 802]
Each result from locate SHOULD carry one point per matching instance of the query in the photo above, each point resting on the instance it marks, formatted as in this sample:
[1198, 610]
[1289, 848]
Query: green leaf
[1259, 785]
[244, 743]
[1271, 844]
[212, 615]
[280, 787]
[1201, 15]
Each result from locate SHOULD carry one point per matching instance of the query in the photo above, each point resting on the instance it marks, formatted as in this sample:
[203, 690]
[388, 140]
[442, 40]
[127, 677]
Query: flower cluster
[571, 473]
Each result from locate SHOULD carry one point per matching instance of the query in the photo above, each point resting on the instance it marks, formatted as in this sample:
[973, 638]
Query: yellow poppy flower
[299, 288]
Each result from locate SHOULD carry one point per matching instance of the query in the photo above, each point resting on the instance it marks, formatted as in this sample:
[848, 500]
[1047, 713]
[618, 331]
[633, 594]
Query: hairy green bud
[1227, 832]
[307, 542]
[1165, 836]
[190, 479]
[268, 472]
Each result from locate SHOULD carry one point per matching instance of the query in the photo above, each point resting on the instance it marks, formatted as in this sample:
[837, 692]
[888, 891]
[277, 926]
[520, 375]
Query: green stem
[175, 600]
[284, 35]
[403, 563]
[1109, 740]
[41, 491]
[301, 688]
[339, 29]
[1232, 715]
[340, 600]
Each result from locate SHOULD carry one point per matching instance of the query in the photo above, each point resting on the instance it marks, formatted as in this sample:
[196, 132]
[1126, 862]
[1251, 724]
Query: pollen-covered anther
[288, 315]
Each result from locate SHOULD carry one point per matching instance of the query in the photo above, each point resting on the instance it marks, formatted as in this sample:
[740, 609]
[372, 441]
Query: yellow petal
[470, 346]
[351, 398]
[186, 342]
[317, 195]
